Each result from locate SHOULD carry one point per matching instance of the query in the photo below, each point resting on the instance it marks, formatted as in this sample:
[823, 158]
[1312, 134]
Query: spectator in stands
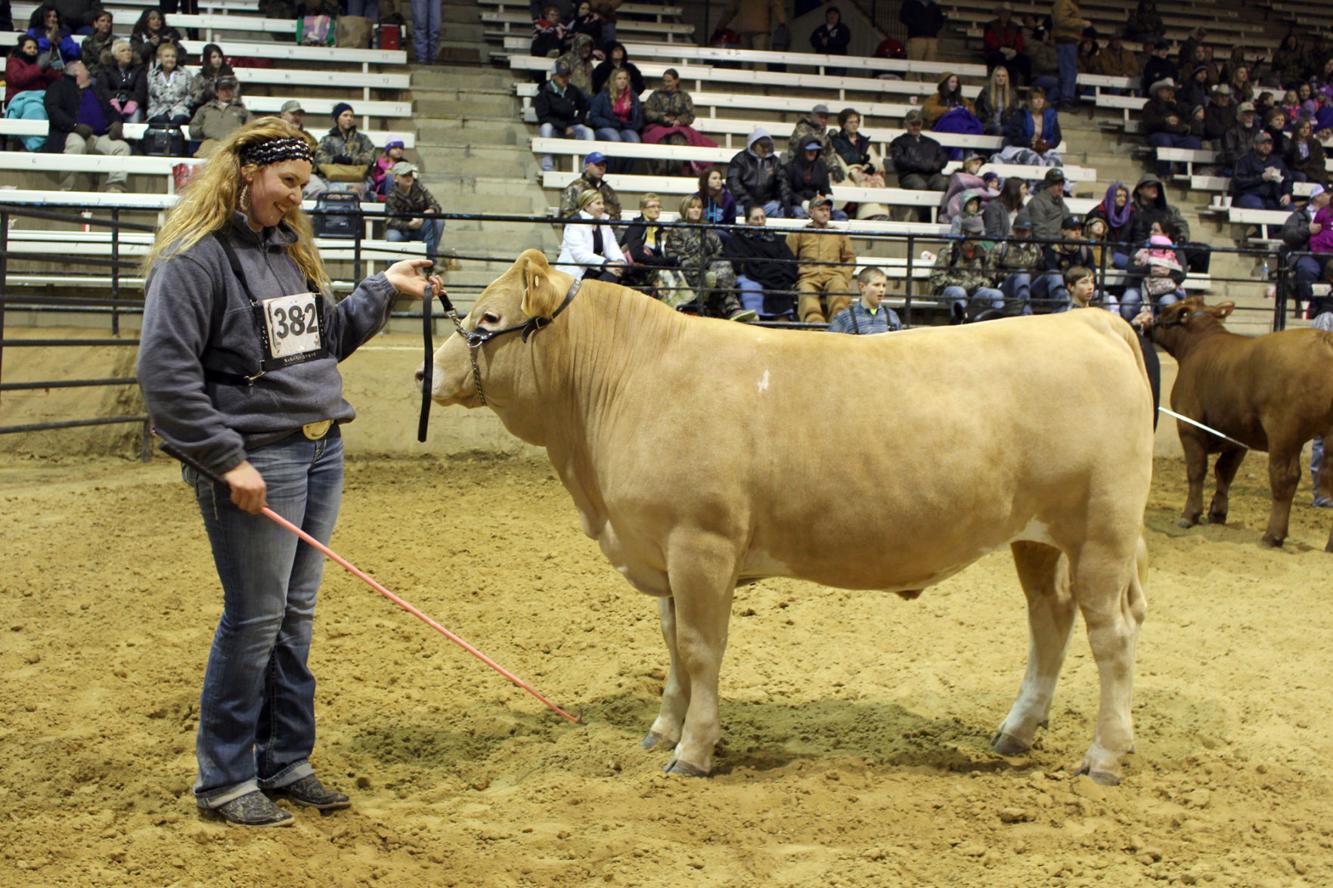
[150, 32]
[1275, 124]
[1291, 106]
[948, 98]
[1305, 156]
[1082, 285]
[1195, 91]
[997, 100]
[548, 32]
[832, 38]
[961, 276]
[825, 272]
[168, 89]
[1001, 212]
[616, 115]
[924, 20]
[1116, 212]
[1068, 31]
[1145, 23]
[1003, 45]
[1306, 265]
[860, 162]
[617, 59]
[54, 40]
[212, 67]
[1242, 88]
[82, 121]
[77, 15]
[1309, 105]
[645, 246]
[426, 18]
[966, 178]
[1168, 123]
[381, 171]
[24, 70]
[593, 179]
[579, 59]
[668, 115]
[584, 20]
[561, 108]
[590, 252]
[126, 82]
[1049, 291]
[1157, 271]
[98, 43]
[719, 205]
[1152, 208]
[293, 113]
[1012, 263]
[813, 127]
[1032, 134]
[1289, 62]
[1186, 55]
[868, 316]
[755, 21]
[344, 149]
[754, 177]
[1115, 60]
[706, 272]
[808, 178]
[968, 206]
[764, 265]
[1089, 50]
[408, 195]
[1237, 140]
[1261, 180]
[919, 160]
[1159, 67]
[1045, 62]
[1219, 115]
[1048, 208]
[221, 116]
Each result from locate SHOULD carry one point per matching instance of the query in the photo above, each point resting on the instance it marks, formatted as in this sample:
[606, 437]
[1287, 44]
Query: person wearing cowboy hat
[1168, 123]
[1219, 115]
[1047, 208]
[1237, 140]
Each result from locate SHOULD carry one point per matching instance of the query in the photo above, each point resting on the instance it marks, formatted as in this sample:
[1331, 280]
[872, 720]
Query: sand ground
[855, 724]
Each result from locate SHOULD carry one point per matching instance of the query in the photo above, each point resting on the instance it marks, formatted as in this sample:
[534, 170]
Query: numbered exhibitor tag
[293, 327]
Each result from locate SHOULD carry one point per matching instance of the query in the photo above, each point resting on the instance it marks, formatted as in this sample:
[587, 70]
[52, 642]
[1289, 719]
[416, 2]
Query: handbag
[353, 31]
[163, 141]
[315, 30]
[343, 172]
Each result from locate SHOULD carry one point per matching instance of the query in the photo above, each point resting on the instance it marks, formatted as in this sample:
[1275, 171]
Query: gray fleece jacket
[211, 421]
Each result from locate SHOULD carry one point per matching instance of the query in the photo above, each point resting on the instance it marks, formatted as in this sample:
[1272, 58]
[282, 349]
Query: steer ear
[1223, 310]
[539, 294]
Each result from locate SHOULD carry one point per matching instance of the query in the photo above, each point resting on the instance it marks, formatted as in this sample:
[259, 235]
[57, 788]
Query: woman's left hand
[407, 278]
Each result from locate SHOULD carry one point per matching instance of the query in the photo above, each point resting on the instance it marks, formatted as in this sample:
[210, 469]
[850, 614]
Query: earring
[243, 199]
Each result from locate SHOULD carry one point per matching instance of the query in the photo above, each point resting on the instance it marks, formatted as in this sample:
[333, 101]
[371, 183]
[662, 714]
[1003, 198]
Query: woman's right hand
[247, 488]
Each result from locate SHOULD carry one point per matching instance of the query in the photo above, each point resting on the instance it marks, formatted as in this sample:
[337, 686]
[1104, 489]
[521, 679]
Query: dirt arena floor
[855, 724]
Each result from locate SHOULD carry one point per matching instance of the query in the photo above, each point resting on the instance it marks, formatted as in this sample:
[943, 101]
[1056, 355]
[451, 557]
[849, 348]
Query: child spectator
[381, 174]
[344, 154]
[764, 265]
[996, 102]
[54, 40]
[1032, 135]
[1305, 156]
[807, 178]
[590, 252]
[1003, 45]
[219, 117]
[126, 82]
[212, 66]
[719, 205]
[579, 60]
[754, 178]
[82, 121]
[668, 115]
[548, 32]
[1012, 263]
[617, 58]
[561, 108]
[708, 277]
[24, 70]
[616, 115]
[408, 195]
[98, 43]
[1159, 67]
[1082, 286]
[966, 178]
[168, 89]
[961, 277]
[151, 32]
[1156, 272]
[968, 207]
[867, 316]
[1001, 212]
[593, 179]
[832, 38]
[826, 265]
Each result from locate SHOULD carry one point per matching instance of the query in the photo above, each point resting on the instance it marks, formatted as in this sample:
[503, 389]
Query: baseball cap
[403, 168]
[1054, 176]
[595, 157]
[394, 143]
[821, 108]
[913, 116]
[1262, 136]
[1070, 222]
[227, 83]
[812, 145]
[820, 200]
[1022, 221]
[291, 105]
[561, 68]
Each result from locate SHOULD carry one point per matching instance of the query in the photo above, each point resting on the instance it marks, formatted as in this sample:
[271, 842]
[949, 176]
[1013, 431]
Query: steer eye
[490, 317]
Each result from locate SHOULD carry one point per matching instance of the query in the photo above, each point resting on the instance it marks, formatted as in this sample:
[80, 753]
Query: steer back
[883, 462]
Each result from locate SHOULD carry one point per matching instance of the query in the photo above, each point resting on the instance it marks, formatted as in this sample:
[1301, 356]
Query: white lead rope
[1199, 425]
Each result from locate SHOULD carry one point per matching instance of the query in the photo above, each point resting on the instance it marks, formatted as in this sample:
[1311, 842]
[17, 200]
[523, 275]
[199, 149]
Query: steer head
[531, 288]
[1185, 321]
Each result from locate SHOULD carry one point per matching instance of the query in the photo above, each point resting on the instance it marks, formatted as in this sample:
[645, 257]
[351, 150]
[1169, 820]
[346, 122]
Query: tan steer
[703, 454]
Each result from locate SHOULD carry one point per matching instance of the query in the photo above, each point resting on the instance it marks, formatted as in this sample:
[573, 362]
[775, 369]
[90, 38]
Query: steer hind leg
[1284, 476]
[676, 694]
[1044, 573]
[1196, 470]
[1228, 463]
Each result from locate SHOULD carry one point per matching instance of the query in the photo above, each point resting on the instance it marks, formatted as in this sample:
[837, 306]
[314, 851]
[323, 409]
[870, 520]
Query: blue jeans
[257, 710]
[981, 299]
[1067, 54]
[1309, 269]
[425, 29]
[1133, 298]
[430, 231]
[1050, 293]
[609, 134]
[1017, 289]
[752, 295]
[368, 8]
[548, 131]
[773, 210]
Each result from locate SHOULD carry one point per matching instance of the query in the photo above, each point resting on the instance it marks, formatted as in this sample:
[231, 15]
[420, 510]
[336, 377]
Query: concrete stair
[462, 39]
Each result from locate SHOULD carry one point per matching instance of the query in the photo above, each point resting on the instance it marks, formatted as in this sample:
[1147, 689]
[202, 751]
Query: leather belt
[316, 430]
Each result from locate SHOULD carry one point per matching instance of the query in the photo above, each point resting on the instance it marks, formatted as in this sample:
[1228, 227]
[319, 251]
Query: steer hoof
[1217, 517]
[1185, 521]
[652, 740]
[681, 768]
[1105, 778]
[1273, 542]
[1008, 745]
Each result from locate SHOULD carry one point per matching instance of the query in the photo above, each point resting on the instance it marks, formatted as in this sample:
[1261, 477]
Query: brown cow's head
[1178, 324]
[530, 288]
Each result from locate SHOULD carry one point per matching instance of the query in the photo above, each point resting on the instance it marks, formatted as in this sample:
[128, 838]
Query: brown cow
[1271, 393]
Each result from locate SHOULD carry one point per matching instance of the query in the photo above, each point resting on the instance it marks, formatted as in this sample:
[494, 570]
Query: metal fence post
[4, 289]
[907, 293]
[356, 245]
[1280, 297]
[115, 271]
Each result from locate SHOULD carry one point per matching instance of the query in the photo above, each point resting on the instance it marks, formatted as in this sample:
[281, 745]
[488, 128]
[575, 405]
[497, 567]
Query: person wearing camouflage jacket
[1012, 264]
[962, 277]
[813, 127]
[408, 195]
[593, 178]
[707, 273]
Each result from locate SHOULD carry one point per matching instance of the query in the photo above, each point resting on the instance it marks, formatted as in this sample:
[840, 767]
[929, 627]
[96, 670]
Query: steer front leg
[676, 694]
[1227, 465]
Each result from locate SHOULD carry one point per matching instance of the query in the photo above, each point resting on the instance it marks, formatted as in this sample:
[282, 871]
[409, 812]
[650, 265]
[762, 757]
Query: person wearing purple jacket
[1117, 211]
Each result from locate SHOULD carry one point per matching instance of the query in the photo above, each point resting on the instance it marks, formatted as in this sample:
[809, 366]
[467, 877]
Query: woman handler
[238, 363]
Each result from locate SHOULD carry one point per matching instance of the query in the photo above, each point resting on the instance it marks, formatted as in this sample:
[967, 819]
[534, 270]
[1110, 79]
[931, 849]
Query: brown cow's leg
[1109, 589]
[1225, 470]
[1196, 469]
[676, 694]
[1284, 476]
[1044, 572]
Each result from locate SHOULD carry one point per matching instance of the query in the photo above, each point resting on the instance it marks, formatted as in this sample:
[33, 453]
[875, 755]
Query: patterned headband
[275, 151]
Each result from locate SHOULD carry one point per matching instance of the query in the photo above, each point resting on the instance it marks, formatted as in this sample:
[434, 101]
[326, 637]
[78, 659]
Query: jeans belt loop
[317, 430]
